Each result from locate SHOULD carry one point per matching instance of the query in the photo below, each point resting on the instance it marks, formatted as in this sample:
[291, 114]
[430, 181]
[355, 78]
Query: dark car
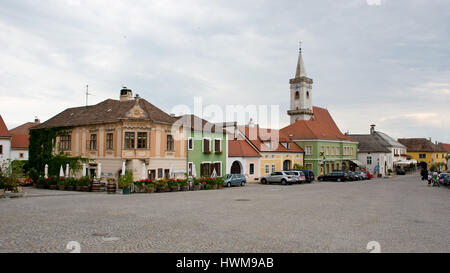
[444, 179]
[334, 176]
[401, 171]
[350, 176]
[309, 175]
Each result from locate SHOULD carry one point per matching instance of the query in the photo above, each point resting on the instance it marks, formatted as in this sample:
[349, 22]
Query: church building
[314, 130]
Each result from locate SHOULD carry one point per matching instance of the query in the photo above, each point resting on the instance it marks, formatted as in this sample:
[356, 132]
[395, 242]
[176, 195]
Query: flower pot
[61, 187]
[111, 187]
[174, 188]
[214, 186]
[219, 186]
[150, 189]
[78, 188]
[53, 187]
[197, 187]
[126, 191]
[184, 188]
[85, 188]
[69, 188]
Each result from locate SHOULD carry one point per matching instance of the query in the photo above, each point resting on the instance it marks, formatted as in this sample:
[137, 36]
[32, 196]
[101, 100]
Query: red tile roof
[420, 145]
[259, 136]
[20, 141]
[241, 148]
[445, 147]
[3, 129]
[23, 129]
[321, 126]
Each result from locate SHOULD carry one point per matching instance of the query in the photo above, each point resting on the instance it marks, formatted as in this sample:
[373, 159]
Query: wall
[277, 159]
[197, 156]
[6, 142]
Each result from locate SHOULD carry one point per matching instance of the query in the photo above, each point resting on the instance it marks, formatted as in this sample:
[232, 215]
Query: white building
[5, 142]
[378, 151]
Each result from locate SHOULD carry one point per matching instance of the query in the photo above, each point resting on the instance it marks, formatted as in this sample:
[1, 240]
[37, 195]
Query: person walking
[435, 179]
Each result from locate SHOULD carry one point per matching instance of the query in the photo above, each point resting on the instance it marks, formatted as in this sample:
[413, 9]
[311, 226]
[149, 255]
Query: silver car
[282, 177]
[299, 176]
[234, 180]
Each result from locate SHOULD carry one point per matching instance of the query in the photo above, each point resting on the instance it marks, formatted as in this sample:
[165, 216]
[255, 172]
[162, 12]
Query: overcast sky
[387, 64]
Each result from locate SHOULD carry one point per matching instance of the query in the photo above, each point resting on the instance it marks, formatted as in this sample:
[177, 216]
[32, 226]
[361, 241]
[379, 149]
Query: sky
[383, 62]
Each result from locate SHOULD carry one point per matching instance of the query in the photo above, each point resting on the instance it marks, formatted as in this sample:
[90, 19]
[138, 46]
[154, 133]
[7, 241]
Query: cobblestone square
[403, 214]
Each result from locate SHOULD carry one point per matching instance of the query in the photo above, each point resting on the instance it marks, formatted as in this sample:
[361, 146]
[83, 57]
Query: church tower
[301, 93]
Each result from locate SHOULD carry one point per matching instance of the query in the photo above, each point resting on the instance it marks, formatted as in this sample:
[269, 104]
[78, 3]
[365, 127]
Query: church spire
[300, 72]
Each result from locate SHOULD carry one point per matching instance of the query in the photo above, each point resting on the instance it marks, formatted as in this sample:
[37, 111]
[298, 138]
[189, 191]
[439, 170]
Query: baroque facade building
[130, 131]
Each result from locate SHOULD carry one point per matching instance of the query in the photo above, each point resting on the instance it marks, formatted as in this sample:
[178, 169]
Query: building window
[93, 142]
[351, 151]
[160, 173]
[21, 155]
[252, 168]
[337, 166]
[129, 140]
[266, 169]
[65, 143]
[337, 150]
[1, 149]
[369, 160]
[297, 95]
[218, 167]
[170, 146]
[206, 145]
[273, 167]
[190, 168]
[422, 155]
[205, 169]
[190, 143]
[328, 150]
[322, 150]
[217, 145]
[109, 141]
[141, 140]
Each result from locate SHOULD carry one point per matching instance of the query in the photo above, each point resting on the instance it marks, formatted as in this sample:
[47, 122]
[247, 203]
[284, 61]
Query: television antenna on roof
[87, 94]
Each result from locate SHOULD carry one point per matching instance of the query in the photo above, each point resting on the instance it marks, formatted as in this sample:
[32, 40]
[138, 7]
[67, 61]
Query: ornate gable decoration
[136, 112]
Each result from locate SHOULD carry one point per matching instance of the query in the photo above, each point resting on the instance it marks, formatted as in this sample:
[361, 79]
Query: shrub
[126, 180]
[208, 187]
[182, 182]
[173, 183]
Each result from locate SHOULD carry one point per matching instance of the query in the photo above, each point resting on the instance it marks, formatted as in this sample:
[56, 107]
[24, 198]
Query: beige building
[128, 131]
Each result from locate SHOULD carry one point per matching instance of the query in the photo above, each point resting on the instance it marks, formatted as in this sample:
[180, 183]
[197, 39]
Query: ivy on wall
[41, 152]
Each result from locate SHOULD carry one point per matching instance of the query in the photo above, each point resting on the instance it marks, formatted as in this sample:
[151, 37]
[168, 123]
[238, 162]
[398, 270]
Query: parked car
[364, 175]
[401, 171]
[335, 176]
[283, 177]
[369, 175]
[299, 176]
[444, 178]
[350, 176]
[234, 180]
[358, 176]
[309, 175]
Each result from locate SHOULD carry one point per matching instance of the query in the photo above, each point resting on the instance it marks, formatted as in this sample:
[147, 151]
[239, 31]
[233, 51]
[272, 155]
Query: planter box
[53, 187]
[184, 188]
[150, 189]
[69, 188]
[126, 191]
[85, 188]
[78, 188]
[197, 187]
[174, 188]
[61, 188]
[214, 186]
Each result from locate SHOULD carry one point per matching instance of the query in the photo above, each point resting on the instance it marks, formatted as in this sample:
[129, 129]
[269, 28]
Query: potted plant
[140, 186]
[61, 184]
[111, 186]
[150, 187]
[208, 187]
[70, 183]
[40, 182]
[79, 185]
[219, 181]
[197, 185]
[85, 183]
[183, 184]
[125, 182]
[52, 183]
[173, 185]
[161, 185]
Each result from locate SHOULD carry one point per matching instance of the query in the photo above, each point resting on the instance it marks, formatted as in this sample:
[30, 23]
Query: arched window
[307, 94]
[297, 95]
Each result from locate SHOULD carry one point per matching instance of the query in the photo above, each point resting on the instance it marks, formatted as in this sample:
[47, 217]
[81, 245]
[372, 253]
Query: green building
[206, 147]
[313, 129]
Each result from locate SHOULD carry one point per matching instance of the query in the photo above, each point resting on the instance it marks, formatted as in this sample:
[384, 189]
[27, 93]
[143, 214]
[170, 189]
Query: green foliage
[18, 167]
[41, 148]
[173, 183]
[208, 187]
[8, 178]
[298, 166]
[126, 180]
[436, 166]
[33, 173]
[219, 181]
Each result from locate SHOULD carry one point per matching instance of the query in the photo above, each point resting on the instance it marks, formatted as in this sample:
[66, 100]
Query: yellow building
[423, 150]
[278, 151]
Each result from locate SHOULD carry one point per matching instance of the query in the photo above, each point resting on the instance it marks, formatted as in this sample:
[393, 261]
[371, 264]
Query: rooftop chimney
[372, 129]
[126, 94]
[36, 120]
